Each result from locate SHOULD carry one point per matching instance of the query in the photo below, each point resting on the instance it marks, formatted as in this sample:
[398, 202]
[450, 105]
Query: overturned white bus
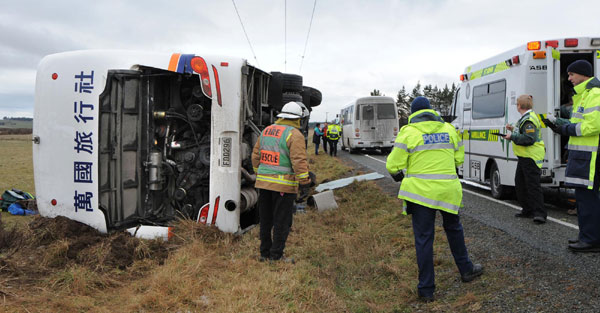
[136, 139]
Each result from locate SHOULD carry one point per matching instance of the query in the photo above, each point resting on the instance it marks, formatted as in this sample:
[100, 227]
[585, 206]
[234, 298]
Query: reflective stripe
[591, 109]
[578, 129]
[276, 180]
[577, 115]
[578, 181]
[432, 176]
[402, 146]
[582, 148]
[288, 137]
[436, 146]
[277, 168]
[446, 205]
[303, 175]
[460, 144]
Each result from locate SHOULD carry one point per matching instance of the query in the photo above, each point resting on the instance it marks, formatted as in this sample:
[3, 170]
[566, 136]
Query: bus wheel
[499, 191]
[386, 150]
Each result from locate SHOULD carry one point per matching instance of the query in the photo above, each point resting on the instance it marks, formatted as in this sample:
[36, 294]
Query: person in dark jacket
[317, 138]
[529, 148]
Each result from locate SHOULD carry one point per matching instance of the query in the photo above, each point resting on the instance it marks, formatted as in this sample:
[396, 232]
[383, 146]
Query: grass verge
[358, 258]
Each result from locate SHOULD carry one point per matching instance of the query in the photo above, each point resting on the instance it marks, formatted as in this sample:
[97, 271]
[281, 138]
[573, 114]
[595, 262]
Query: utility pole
[326, 120]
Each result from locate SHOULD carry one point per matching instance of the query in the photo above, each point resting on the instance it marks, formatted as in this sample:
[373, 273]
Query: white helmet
[305, 111]
[291, 110]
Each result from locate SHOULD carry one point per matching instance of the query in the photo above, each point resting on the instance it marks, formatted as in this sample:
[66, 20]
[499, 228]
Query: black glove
[303, 191]
[398, 176]
[551, 125]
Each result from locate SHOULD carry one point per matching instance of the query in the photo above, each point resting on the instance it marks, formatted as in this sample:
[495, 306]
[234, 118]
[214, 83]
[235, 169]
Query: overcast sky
[354, 46]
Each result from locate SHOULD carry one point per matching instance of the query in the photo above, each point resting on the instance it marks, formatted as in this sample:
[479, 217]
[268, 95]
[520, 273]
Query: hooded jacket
[428, 150]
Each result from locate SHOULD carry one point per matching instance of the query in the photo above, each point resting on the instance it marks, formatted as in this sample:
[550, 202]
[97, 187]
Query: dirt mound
[49, 244]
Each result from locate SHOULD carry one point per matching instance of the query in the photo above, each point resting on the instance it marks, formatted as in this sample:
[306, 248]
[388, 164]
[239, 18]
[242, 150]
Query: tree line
[18, 118]
[440, 99]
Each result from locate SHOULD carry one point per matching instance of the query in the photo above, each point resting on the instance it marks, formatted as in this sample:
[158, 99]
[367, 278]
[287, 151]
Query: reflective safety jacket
[334, 132]
[583, 166]
[527, 140]
[279, 157]
[428, 150]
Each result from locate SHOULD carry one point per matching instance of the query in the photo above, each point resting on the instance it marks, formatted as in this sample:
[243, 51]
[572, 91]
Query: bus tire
[386, 150]
[498, 190]
[291, 83]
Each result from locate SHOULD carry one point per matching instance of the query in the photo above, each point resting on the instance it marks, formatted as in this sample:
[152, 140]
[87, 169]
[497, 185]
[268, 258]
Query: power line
[308, 34]
[244, 29]
[285, 35]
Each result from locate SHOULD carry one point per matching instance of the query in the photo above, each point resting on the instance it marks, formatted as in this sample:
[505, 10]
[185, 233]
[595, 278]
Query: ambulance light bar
[534, 45]
[571, 42]
[552, 43]
[539, 54]
[595, 42]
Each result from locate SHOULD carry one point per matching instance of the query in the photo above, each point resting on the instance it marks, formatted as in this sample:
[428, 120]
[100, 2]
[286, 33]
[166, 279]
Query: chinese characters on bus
[83, 138]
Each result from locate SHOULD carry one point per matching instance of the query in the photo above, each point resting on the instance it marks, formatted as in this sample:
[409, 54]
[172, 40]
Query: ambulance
[133, 140]
[486, 101]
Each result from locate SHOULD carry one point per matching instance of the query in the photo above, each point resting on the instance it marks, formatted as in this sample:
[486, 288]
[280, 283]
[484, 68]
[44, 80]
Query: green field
[16, 165]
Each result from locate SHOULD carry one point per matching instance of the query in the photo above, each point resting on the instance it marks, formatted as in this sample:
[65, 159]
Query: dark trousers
[333, 147]
[423, 220]
[275, 210]
[528, 188]
[588, 215]
[325, 144]
[317, 147]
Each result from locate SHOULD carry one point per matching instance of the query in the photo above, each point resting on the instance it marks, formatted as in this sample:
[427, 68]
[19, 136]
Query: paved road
[494, 233]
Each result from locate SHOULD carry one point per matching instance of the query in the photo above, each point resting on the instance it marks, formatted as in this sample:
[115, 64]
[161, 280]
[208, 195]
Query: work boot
[524, 215]
[539, 220]
[473, 273]
[581, 246]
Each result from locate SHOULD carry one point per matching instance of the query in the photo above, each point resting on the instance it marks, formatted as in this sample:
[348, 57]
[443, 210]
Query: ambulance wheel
[499, 191]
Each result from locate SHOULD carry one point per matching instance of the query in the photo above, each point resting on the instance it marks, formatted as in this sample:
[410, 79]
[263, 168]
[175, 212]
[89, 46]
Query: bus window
[368, 113]
[386, 111]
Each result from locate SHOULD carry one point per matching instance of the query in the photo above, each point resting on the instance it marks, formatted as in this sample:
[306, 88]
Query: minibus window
[386, 111]
[368, 113]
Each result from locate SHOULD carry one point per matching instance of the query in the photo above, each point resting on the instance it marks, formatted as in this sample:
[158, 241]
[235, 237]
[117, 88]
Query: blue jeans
[423, 220]
[317, 147]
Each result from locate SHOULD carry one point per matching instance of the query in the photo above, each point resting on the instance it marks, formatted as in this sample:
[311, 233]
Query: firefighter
[280, 163]
[583, 165]
[333, 136]
[530, 151]
[425, 156]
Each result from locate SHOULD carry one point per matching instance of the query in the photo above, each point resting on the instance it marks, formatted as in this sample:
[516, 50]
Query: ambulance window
[488, 100]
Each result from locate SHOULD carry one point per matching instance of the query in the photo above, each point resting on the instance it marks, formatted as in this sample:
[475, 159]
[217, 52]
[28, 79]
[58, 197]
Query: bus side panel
[225, 168]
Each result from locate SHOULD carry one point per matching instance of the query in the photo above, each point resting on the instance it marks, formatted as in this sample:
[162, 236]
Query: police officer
[333, 136]
[425, 156]
[583, 165]
[280, 161]
[530, 151]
